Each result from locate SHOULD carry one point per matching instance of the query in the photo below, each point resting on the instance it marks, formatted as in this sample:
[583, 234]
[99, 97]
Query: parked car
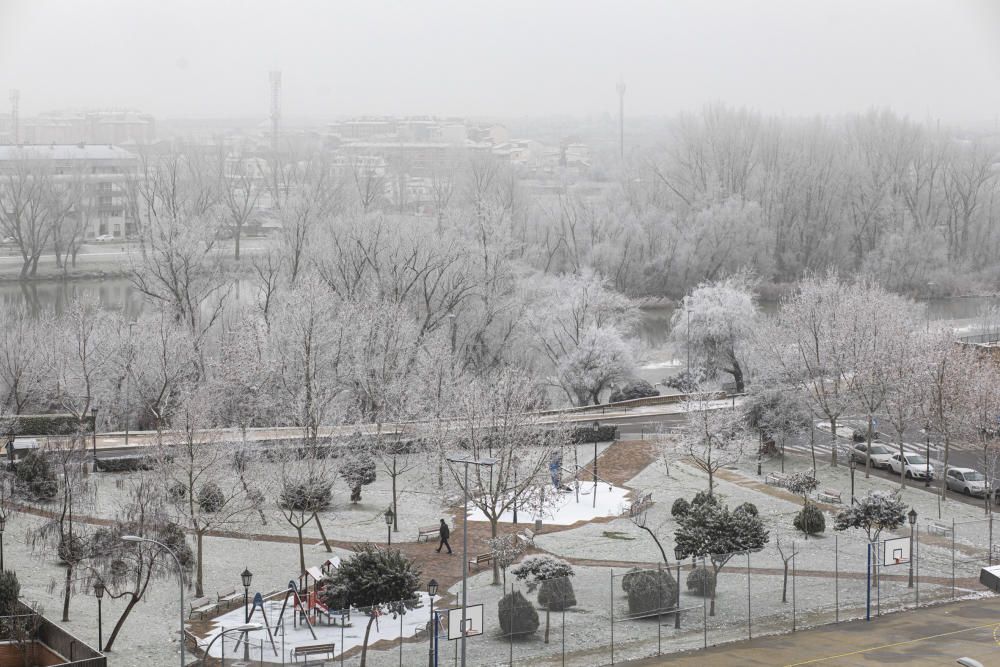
[104, 238]
[966, 480]
[861, 435]
[914, 466]
[880, 454]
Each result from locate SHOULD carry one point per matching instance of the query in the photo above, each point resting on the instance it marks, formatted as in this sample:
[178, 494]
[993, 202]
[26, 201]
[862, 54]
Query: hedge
[61, 424]
[125, 464]
[589, 434]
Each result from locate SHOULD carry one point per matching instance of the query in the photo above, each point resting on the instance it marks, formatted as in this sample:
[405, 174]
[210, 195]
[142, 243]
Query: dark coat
[445, 531]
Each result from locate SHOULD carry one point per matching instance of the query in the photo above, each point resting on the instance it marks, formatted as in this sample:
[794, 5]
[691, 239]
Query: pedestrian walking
[445, 533]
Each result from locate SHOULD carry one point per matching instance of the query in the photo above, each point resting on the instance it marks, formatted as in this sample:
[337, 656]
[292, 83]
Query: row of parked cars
[915, 466]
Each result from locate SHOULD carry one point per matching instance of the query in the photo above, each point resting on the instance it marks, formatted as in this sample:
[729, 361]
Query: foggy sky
[210, 58]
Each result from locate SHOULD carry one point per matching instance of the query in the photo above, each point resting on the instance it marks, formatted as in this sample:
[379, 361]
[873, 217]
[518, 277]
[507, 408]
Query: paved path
[931, 636]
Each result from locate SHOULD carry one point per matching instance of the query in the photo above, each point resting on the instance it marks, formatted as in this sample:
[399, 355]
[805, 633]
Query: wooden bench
[479, 560]
[200, 607]
[829, 496]
[527, 536]
[228, 600]
[640, 504]
[776, 479]
[425, 533]
[312, 649]
[935, 528]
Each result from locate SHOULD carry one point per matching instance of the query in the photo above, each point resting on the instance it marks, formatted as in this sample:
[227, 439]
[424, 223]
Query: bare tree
[712, 438]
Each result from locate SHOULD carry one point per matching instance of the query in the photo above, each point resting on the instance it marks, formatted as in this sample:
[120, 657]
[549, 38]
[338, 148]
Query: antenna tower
[275, 107]
[15, 101]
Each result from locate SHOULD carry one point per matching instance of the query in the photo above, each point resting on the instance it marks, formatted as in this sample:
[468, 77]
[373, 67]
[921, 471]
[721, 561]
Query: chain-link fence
[603, 616]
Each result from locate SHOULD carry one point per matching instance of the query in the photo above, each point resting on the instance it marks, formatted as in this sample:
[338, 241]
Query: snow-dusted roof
[64, 152]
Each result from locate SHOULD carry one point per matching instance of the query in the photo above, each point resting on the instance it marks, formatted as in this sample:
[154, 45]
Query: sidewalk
[930, 636]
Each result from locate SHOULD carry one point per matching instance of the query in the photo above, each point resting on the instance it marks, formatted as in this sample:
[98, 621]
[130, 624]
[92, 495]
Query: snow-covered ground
[584, 502]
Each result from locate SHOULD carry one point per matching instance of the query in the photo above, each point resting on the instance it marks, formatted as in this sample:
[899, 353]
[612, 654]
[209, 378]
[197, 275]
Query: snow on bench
[829, 496]
[935, 528]
[527, 536]
[425, 533]
[776, 479]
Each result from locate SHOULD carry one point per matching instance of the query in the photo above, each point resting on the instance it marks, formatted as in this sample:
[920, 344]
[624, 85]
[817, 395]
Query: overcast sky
[210, 58]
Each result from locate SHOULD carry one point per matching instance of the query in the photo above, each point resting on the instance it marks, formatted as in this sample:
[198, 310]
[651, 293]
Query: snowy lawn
[564, 508]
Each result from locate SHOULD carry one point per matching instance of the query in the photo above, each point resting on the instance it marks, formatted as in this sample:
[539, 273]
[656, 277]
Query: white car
[966, 480]
[104, 238]
[915, 466]
[880, 454]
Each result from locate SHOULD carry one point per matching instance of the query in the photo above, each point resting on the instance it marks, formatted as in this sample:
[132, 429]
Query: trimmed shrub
[649, 591]
[306, 497]
[210, 498]
[10, 590]
[703, 497]
[810, 520]
[35, 477]
[125, 464]
[556, 594]
[72, 551]
[632, 390]
[701, 581]
[177, 491]
[517, 616]
[358, 471]
[747, 508]
[60, 424]
[583, 434]
[679, 508]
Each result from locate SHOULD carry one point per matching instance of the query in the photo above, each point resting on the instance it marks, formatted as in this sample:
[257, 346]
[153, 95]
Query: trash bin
[538, 525]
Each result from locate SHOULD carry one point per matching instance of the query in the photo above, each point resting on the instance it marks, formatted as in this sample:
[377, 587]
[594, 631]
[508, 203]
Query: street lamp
[912, 517]
[854, 466]
[467, 461]
[679, 555]
[247, 627]
[389, 516]
[432, 589]
[927, 457]
[180, 578]
[99, 592]
[597, 429]
[3, 524]
[93, 415]
[246, 576]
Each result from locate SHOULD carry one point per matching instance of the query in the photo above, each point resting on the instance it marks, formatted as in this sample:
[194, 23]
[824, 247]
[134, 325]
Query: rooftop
[64, 152]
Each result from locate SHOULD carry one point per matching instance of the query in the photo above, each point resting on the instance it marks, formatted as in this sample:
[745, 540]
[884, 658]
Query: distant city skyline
[188, 59]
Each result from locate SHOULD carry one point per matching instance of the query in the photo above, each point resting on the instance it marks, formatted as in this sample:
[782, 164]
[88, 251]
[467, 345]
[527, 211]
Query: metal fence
[603, 616]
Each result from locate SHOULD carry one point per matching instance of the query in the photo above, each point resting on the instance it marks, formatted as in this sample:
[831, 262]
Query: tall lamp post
[3, 524]
[597, 429]
[912, 517]
[432, 589]
[99, 593]
[389, 516]
[927, 457]
[854, 466]
[467, 461]
[180, 579]
[246, 576]
[679, 555]
[246, 627]
[93, 416]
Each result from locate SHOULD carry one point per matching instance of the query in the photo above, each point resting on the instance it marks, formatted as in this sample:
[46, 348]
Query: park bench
[527, 536]
[425, 533]
[829, 496]
[200, 607]
[640, 504]
[942, 529]
[312, 649]
[194, 640]
[229, 599]
[776, 479]
[479, 560]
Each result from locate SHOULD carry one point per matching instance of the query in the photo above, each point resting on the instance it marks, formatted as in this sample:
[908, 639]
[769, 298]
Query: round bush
[649, 591]
[210, 498]
[358, 471]
[633, 389]
[703, 497]
[747, 508]
[701, 581]
[517, 616]
[556, 594]
[10, 590]
[177, 492]
[306, 497]
[810, 520]
[680, 508]
[35, 477]
[72, 551]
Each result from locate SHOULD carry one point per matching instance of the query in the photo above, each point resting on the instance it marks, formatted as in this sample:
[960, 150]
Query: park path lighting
[486, 463]
[597, 429]
[99, 594]
[3, 524]
[432, 589]
[246, 576]
[679, 555]
[911, 516]
[854, 466]
[389, 516]
[180, 578]
[93, 416]
[246, 627]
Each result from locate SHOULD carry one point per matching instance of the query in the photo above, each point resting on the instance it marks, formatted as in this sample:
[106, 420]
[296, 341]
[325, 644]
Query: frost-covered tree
[802, 484]
[601, 358]
[505, 549]
[779, 414]
[303, 489]
[905, 384]
[984, 419]
[875, 512]
[712, 438]
[22, 360]
[718, 533]
[633, 388]
[377, 581]
[716, 323]
[551, 576]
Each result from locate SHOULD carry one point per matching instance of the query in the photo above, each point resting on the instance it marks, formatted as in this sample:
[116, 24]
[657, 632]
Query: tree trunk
[546, 623]
[199, 583]
[322, 534]
[833, 436]
[812, 445]
[364, 646]
[68, 586]
[121, 621]
[944, 468]
[302, 552]
[493, 533]
[868, 452]
[902, 478]
[711, 481]
[395, 509]
[738, 377]
[784, 585]
[239, 230]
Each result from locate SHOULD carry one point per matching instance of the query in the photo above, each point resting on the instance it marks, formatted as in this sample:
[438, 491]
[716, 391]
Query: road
[932, 636]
